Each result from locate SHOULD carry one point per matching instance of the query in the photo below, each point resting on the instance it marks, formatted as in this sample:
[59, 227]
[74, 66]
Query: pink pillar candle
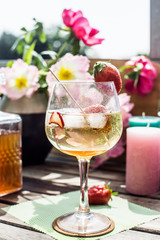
[143, 160]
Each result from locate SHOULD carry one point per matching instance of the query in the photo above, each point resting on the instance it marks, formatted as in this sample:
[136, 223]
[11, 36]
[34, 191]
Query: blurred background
[125, 25]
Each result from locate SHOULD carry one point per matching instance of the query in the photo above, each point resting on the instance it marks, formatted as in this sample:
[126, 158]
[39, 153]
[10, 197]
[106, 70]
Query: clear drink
[83, 124]
[85, 135]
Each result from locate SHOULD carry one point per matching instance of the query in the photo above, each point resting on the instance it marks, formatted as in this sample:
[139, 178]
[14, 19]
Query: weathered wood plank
[132, 235]
[48, 168]
[152, 226]
[2, 205]
[55, 156]
[58, 176]
[8, 219]
[151, 203]
[21, 196]
[42, 189]
[54, 183]
[8, 232]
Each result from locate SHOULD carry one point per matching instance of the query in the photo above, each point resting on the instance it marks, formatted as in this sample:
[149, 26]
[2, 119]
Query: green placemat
[40, 213]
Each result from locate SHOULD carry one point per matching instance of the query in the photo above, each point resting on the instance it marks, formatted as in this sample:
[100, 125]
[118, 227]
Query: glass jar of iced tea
[10, 153]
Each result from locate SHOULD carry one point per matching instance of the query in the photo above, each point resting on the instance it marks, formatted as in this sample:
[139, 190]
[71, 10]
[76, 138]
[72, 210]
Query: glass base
[84, 225]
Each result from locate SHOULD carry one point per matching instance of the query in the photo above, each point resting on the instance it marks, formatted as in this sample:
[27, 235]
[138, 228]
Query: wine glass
[83, 119]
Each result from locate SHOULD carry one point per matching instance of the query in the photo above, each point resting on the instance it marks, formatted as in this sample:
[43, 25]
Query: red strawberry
[100, 194]
[95, 109]
[57, 119]
[107, 72]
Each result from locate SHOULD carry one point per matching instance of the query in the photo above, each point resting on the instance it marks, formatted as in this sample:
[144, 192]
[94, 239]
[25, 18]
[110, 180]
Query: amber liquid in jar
[10, 161]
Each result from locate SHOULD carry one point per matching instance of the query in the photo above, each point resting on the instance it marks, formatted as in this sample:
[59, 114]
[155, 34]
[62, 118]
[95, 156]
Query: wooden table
[59, 174]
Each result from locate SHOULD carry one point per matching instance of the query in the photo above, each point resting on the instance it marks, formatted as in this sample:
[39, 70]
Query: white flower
[69, 67]
[21, 80]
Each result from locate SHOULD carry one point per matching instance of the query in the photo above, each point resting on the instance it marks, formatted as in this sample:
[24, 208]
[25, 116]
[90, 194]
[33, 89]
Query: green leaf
[20, 48]
[38, 25]
[90, 72]
[41, 62]
[42, 37]
[123, 68]
[132, 75]
[27, 54]
[50, 53]
[19, 41]
[43, 73]
[114, 193]
[9, 63]
[29, 37]
[44, 85]
[98, 66]
[23, 29]
[66, 29]
[42, 82]
[51, 62]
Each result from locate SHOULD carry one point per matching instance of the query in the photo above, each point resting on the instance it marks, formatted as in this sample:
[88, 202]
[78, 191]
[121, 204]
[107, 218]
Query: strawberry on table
[107, 72]
[100, 194]
[57, 119]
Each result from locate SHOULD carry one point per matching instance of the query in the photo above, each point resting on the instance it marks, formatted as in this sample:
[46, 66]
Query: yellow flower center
[21, 82]
[65, 74]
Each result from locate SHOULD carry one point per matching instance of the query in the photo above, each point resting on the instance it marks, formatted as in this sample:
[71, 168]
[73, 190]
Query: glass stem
[83, 171]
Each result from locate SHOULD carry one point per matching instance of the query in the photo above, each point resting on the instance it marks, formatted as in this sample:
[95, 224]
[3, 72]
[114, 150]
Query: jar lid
[9, 118]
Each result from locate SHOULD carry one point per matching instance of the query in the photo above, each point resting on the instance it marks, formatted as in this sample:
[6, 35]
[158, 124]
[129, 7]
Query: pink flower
[129, 86]
[81, 27]
[116, 151]
[2, 81]
[126, 107]
[69, 67]
[21, 80]
[119, 148]
[145, 78]
[69, 17]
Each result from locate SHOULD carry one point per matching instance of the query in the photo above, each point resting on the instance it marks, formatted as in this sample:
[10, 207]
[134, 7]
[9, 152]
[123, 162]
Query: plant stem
[136, 80]
[65, 44]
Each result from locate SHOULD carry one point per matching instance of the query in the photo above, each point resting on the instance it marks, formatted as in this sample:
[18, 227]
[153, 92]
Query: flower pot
[35, 145]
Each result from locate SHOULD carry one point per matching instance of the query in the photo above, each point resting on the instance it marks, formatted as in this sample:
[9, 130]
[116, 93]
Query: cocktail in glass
[83, 119]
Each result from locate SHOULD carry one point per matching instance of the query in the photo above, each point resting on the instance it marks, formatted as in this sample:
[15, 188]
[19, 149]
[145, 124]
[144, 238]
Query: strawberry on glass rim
[107, 72]
[56, 118]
